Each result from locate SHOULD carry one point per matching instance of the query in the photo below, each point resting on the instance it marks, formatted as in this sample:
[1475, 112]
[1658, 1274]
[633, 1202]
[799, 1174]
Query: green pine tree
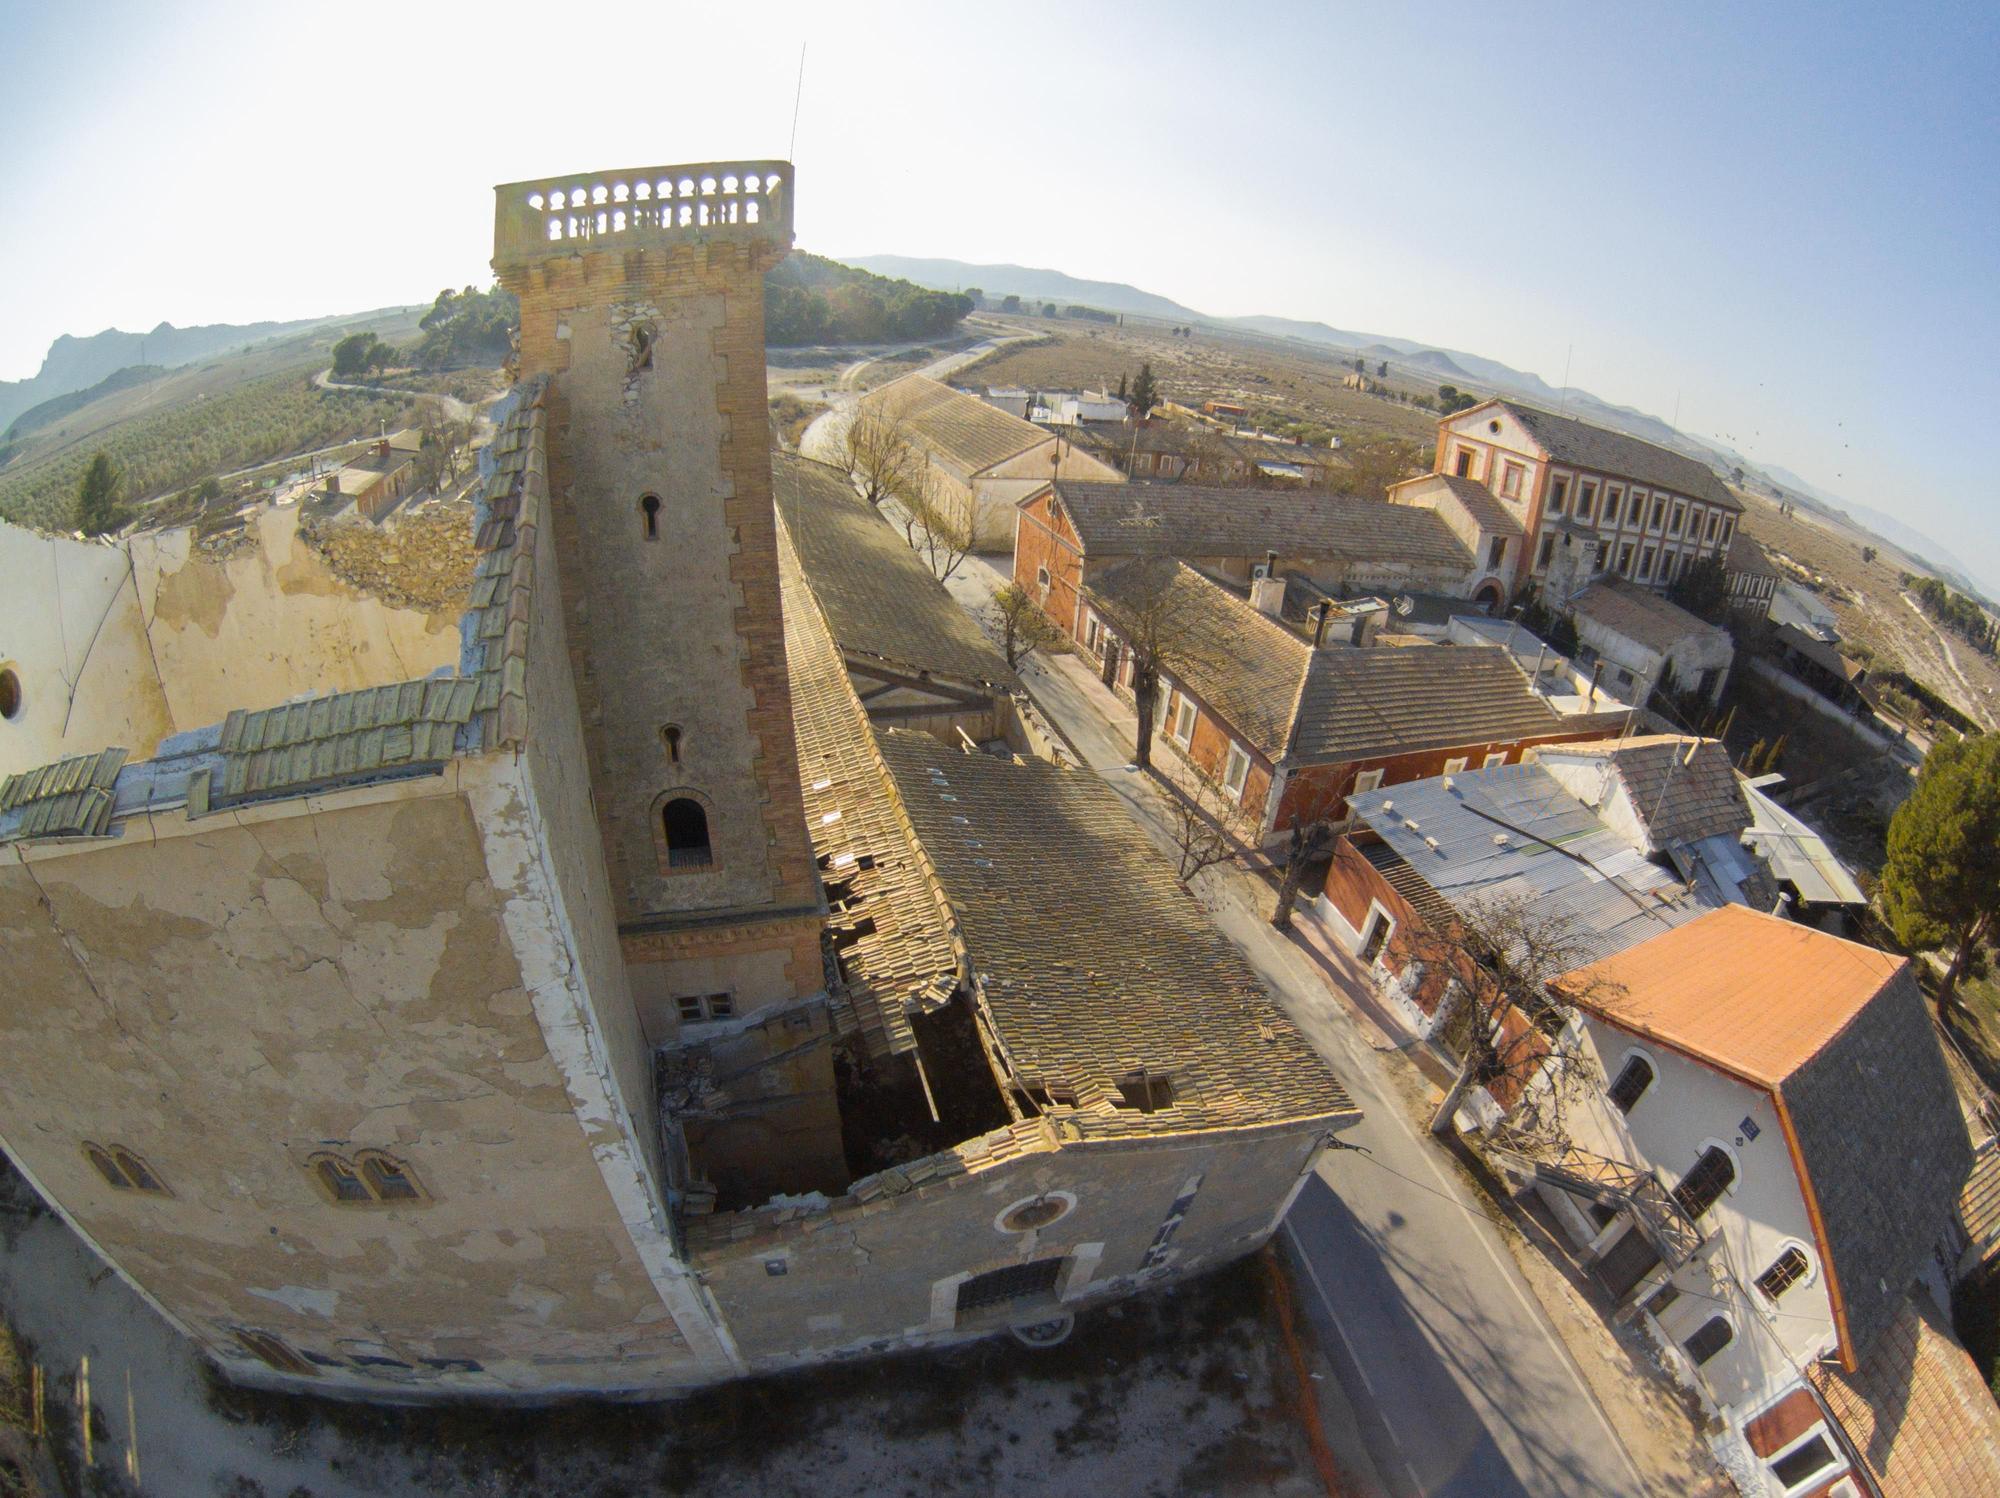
[98, 511]
[1941, 883]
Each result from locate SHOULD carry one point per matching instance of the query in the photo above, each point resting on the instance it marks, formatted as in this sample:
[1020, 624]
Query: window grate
[1015, 1282]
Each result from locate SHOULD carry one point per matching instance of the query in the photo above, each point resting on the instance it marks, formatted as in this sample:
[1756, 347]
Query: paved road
[820, 439]
[1460, 1383]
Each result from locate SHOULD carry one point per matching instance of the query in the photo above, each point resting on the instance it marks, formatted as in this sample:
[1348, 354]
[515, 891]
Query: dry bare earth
[1298, 382]
[1867, 604]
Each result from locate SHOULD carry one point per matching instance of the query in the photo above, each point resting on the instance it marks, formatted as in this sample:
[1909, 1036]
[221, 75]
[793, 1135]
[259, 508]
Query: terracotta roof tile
[970, 433]
[1639, 614]
[1567, 440]
[1681, 789]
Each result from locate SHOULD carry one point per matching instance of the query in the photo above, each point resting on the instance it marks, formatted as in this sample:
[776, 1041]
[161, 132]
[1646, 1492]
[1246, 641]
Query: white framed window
[1558, 493]
[1548, 550]
[1497, 758]
[1511, 475]
[1793, 1265]
[1680, 517]
[1455, 766]
[1184, 715]
[1237, 771]
[1376, 930]
[1806, 1462]
[1042, 577]
[1586, 499]
[1465, 463]
[1367, 780]
[695, 1008]
[1090, 635]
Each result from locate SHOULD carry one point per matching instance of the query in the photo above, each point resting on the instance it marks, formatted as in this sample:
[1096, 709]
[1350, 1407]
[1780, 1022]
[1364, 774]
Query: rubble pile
[417, 561]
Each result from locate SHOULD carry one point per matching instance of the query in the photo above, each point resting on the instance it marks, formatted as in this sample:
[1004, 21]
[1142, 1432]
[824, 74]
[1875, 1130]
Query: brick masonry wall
[1043, 538]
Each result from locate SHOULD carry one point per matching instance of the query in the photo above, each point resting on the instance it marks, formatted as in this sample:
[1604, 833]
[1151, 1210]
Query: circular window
[1035, 1212]
[10, 693]
[1492, 426]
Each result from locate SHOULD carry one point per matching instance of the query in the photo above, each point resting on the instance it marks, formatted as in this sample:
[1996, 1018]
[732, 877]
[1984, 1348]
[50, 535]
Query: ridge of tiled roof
[1198, 520]
[878, 597]
[1682, 789]
[972, 433]
[1568, 440]
[69, 798]
[892, 941]
[1485, 507]
[1093, 963]
[513, 507]
[1361, 703]
[1243, 665]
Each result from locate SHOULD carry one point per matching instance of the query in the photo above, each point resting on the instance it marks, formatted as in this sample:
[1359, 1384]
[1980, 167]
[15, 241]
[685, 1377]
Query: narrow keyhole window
[671, 737]
[650, 508]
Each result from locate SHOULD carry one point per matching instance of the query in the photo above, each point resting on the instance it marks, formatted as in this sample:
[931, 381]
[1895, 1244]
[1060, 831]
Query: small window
[649, 511]
[1498, 757]
[1237, 771]
[1728, 526]
[1786, 1271]
[1558, 493]
[1465, 462]
[1659, 512]
[670, 740]
[686, 827]
[696, 1007]
[122, 1170]
[388, 1180]
[1145, 1091]
[1702, 1187]
[10, 694]
[1625, 560]
[1633, 1080]
[1680, 517]
[1646, 564]
[1716, 1333]
[1802, 1461]
[1548, 550]
[1367, 780]
[1379, 927]
[1184, 715]
[338, 1180]
[690, 1007]
[1586, 499]
[1511, 475]
[1015, 1282]
[1660, 1299]
[1455, 766]
[1711, 527]
[1496, 551]
[1611, 499]
[721, 1006]
[1042, 576]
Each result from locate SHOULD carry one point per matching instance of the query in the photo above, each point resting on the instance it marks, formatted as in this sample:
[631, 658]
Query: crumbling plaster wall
[127, 642]
[804, 1282]
[227, 997]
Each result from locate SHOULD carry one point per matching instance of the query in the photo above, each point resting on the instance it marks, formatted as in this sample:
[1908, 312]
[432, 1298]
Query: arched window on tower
[686, 827]
[649, 508]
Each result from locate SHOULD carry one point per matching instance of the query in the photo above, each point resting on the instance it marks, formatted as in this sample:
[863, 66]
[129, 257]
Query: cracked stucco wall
[227, 997]
[126, 642]
[811, 1281]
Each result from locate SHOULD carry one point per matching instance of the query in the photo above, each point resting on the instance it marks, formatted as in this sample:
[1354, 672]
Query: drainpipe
[1320, 611]
[1596, 670]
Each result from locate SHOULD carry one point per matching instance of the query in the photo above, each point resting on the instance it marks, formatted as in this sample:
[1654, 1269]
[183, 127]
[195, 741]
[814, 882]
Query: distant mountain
[73, 364]
[51, 411]
[1028, 284]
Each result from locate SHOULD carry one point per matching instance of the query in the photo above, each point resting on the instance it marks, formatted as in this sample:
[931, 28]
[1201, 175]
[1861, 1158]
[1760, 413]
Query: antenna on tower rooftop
[798, 94]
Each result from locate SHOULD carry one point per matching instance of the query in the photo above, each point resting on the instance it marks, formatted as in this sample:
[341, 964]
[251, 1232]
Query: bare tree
[1024, 627]
[1317, 815]
[931, 527]
[876, 451]
[1151, 607]
[1207, 826]
[1503, 976]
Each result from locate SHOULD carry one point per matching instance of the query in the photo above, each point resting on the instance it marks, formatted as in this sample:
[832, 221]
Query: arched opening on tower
[686, 827]
[649, 509]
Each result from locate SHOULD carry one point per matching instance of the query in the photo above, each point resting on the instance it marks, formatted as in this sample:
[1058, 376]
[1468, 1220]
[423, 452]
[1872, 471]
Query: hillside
[1027, 283]
[809, 299]
[51, 411]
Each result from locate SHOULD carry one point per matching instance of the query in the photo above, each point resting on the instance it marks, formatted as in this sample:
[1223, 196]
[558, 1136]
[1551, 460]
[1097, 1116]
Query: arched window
[1786, 1270]
[1716, 1333]
[686, 827]
[670, 737]
[649, 507]
[388, 1180]
[1632, 1083]
[1702, 1187]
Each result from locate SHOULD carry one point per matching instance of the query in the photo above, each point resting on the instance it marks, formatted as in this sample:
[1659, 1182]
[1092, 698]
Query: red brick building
[1288, 729]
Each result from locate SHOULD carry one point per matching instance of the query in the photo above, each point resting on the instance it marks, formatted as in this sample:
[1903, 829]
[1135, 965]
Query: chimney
[1320, 611]
[382, 449]
[1596, 670]
[1267, 596]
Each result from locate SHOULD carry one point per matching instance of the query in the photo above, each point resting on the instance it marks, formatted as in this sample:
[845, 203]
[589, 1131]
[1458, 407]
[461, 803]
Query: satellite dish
[1405, 605]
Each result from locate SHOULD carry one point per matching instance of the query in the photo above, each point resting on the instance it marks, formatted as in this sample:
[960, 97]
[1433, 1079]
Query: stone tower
[642, 299]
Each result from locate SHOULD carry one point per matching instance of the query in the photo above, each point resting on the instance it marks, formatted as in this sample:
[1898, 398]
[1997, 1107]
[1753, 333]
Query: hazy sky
[1783, 218]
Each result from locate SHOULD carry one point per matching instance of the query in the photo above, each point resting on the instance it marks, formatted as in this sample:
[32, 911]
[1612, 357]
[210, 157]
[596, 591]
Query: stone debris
[419, 561]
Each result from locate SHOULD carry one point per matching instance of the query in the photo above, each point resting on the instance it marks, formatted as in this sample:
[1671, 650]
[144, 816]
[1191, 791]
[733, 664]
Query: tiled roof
[1916, 1409]
[345, 737]
[1092, 962]
[70, 798]
[1820, 653]
[1746, 557]
[1194, 520]
[1567, 440]
[891, 938]
[879, 599]
[969, 432]
[1363, 703]
[512, 509]
[1243, 665]
[1979, 1200]
[1412, 886]
[1480, 502]
[1681, 789]
[1839, 1035]
[1639, 614]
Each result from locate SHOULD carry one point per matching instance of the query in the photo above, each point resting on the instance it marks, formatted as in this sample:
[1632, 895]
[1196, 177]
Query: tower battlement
[732, 200]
